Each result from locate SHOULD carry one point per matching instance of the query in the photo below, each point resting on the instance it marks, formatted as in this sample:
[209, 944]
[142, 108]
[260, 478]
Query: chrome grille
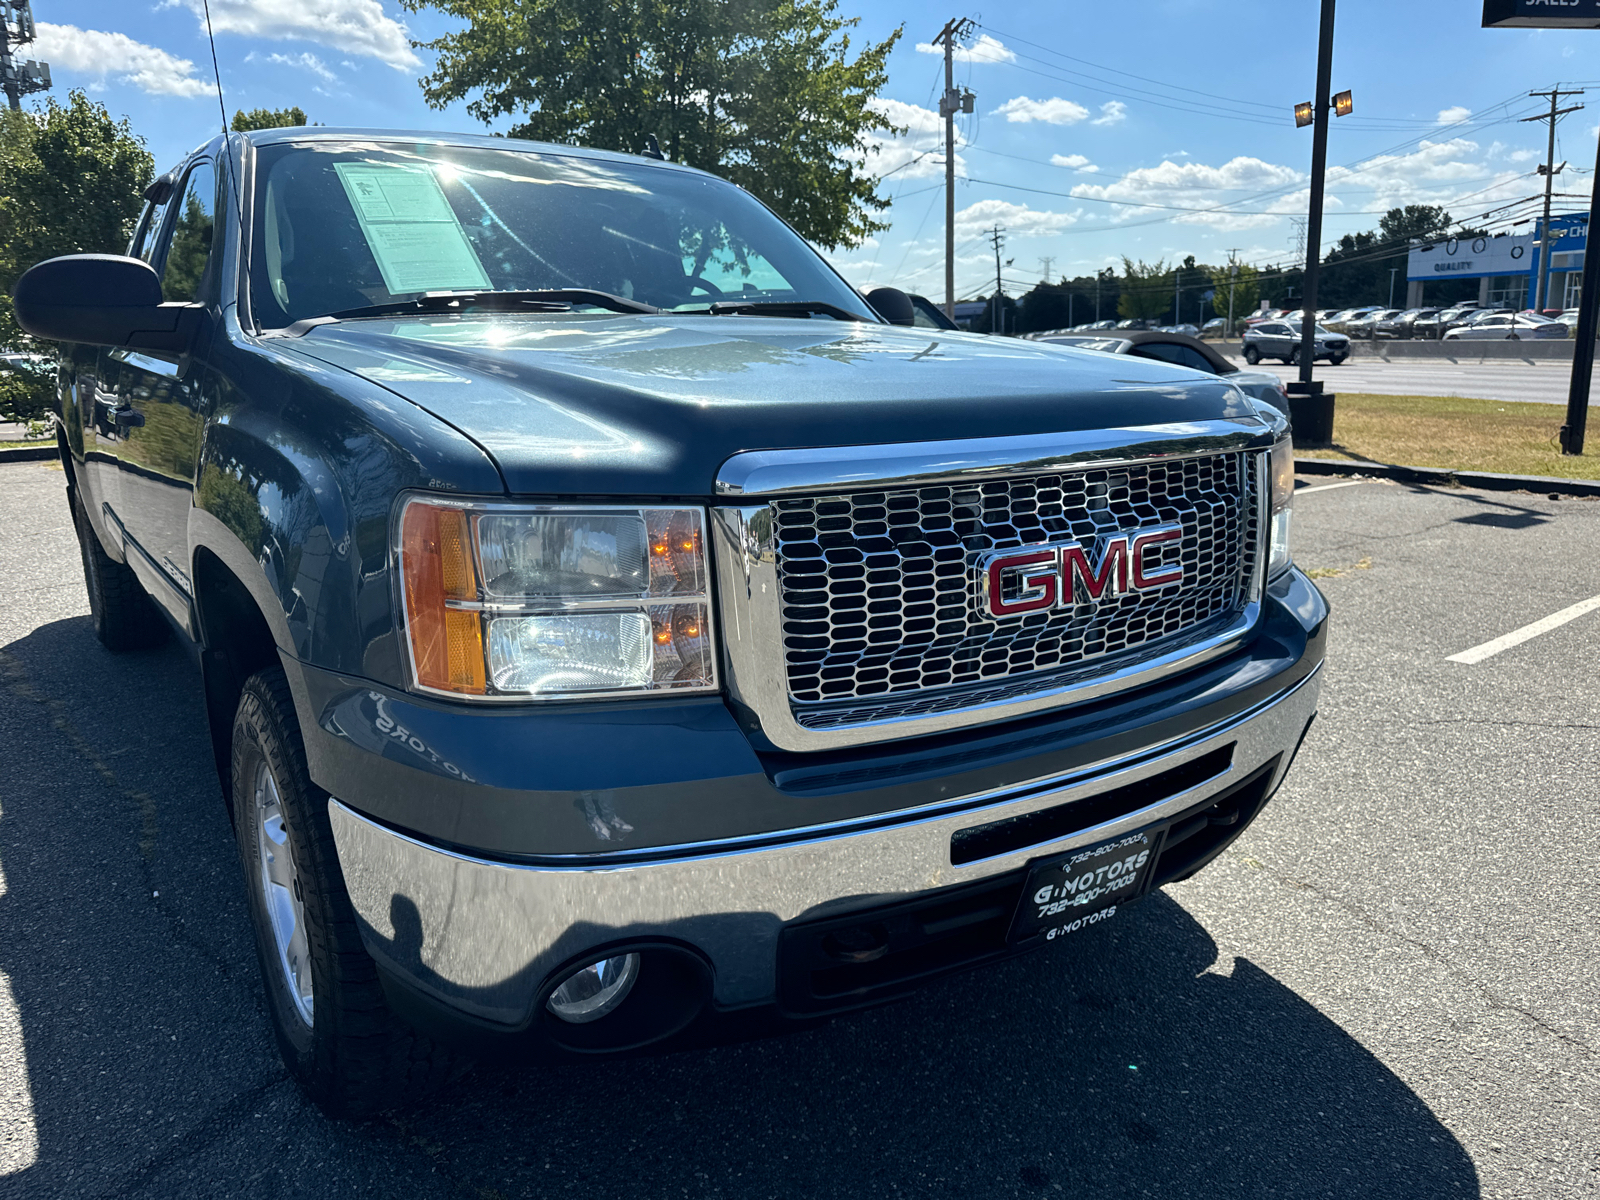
[880, 596]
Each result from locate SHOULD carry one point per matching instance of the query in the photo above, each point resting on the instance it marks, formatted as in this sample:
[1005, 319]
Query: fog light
[591, 992]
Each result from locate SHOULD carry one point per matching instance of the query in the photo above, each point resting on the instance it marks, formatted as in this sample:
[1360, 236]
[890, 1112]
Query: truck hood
[579, 404]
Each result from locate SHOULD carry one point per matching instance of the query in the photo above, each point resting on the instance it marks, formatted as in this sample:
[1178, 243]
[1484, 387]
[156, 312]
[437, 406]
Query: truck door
[94, 388]
[160, 401]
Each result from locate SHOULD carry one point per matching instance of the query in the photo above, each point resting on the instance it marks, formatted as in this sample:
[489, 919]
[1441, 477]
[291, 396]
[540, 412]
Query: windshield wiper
[780, 308]
[542, 300]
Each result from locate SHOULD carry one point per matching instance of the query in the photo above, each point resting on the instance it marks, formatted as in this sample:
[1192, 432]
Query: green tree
[1146, 290]
[267, 118]
[1246, 284]
[763, 92]
[71, 179]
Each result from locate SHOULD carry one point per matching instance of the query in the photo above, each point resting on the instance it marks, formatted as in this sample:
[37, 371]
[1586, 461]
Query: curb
[1439, 477]
[30, 454]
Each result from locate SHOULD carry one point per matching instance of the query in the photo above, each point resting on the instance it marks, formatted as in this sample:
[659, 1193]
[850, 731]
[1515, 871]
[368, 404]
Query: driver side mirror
[103, 300]
[893, 305]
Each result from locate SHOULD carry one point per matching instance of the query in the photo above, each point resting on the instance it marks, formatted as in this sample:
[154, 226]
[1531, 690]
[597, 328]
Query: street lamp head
[1303, 115]
[1343, 104]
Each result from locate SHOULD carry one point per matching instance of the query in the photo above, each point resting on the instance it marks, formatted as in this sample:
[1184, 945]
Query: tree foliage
[1245, 284]
[763, 92]
[1146, 290]
[267, 118]
[71, 180]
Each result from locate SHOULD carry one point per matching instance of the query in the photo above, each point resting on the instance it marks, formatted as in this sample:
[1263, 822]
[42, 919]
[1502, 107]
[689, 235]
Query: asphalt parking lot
[1386, 988]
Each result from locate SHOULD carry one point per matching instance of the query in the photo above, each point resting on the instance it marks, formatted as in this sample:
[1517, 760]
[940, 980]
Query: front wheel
[1294, 357]
[1252, 355]
[1337, 359]
[335, 1032]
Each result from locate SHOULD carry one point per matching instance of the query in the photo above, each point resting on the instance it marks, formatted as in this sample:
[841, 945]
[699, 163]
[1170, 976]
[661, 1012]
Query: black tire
[1337, 360]
[1294, 357]
[1252, 355]
[125, 618]
[355, 1057]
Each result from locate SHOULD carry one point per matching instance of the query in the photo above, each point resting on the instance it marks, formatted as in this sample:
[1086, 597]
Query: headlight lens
[1281, 481]
[535, 601]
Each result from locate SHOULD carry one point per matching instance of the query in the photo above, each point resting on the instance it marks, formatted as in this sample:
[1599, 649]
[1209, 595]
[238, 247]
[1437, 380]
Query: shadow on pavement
[1123, 1064]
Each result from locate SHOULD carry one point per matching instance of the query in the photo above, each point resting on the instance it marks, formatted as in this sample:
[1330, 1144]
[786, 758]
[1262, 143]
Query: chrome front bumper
[482, 938]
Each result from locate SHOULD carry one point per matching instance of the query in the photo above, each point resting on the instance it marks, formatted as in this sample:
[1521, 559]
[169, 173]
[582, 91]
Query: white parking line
[1517, 636]
[1328, 487]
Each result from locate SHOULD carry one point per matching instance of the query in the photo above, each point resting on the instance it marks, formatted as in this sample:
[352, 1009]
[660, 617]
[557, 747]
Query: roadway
[1386, 988]
[1540, 381]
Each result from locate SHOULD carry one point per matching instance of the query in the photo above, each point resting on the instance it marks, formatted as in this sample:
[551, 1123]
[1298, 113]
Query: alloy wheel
[280, 888]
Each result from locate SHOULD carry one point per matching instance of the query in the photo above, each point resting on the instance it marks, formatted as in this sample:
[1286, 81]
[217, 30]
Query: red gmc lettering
[1113, 570]
[1038, 584]
[1165, 575]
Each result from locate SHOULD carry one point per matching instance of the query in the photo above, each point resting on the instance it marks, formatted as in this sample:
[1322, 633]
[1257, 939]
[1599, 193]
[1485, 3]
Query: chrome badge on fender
[1061, 575]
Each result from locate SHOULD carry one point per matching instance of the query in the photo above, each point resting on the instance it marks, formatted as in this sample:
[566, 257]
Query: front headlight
[1280, 472]
[539, 601]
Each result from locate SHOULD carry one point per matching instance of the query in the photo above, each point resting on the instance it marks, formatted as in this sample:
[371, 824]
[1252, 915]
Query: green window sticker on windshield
[412, 231]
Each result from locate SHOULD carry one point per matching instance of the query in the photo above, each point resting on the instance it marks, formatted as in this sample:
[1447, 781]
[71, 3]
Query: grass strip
[1457, 434]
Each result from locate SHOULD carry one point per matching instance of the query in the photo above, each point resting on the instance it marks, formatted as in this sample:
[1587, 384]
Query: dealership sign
[1541, 14]
[1471, 257]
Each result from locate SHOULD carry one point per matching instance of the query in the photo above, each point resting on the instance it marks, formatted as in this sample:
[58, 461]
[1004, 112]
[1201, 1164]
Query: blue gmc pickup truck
[611, 624]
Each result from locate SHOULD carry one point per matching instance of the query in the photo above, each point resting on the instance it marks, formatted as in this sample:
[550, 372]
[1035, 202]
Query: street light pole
[1319, 166]
[1588, 326]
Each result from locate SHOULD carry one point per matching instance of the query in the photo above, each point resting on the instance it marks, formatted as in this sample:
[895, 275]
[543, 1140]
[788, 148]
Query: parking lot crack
[1360, 913]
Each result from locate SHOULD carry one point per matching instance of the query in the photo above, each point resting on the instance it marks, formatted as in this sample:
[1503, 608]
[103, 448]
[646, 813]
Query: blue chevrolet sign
[1541, 14]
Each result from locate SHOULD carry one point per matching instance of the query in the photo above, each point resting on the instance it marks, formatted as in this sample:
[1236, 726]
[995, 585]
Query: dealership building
[1506, 267]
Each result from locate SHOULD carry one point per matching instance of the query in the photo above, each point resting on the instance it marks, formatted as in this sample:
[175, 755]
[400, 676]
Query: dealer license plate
[1082, 888]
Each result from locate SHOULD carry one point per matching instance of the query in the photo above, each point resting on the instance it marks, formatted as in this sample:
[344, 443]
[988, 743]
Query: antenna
[227, 147]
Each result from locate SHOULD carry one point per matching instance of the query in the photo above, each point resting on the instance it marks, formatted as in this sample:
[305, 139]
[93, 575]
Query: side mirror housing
[893, 305]
[102, 300]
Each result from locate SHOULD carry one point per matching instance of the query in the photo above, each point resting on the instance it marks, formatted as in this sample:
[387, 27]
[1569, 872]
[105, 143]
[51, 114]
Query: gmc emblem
[1035, 578]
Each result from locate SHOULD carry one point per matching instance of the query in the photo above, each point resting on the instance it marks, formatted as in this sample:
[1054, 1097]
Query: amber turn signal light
[436, 561]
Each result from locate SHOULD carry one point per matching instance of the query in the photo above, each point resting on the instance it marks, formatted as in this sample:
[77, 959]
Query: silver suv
[1281, 340]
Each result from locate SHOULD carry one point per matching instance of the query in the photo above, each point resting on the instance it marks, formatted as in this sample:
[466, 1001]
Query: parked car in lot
[1216, 327]
[1182, 350]
[1401, 326]
[611, 625]
[1512, 326]
[1447, 318]
[1281, 340]
[1365, 325]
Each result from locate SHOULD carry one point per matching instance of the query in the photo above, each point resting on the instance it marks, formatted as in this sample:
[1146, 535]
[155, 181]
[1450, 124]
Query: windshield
[348, 225]
[1321, 332]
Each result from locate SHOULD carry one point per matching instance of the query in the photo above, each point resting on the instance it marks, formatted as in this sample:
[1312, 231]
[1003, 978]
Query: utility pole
[1097, 297]
[1392, 271]
[16, 30]
[1233, 274]
[951, 103]
[997, 237]
[1046, 261]
[1549, 170]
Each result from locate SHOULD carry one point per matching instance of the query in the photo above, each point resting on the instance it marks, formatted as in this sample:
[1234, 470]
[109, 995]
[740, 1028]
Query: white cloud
[921, 146]
[1020, 110]
[1112, 112]
[1196, 185]
[1522, 156]
[306, 62]
[349, 26]
[92, 52]
[1453, 114]
[985, 50]
[1018, 220]
[1076, 161]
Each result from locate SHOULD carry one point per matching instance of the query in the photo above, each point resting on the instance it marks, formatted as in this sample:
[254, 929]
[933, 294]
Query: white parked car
[1508, 327]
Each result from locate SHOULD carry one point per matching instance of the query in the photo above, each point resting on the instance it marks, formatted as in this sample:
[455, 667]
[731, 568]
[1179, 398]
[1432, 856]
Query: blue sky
[1178, 103]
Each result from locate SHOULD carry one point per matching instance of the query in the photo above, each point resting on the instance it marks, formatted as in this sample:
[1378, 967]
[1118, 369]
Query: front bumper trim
[482, 937]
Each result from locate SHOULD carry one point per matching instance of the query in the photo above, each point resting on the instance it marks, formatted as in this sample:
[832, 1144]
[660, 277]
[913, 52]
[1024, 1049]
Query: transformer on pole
[950, 104]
